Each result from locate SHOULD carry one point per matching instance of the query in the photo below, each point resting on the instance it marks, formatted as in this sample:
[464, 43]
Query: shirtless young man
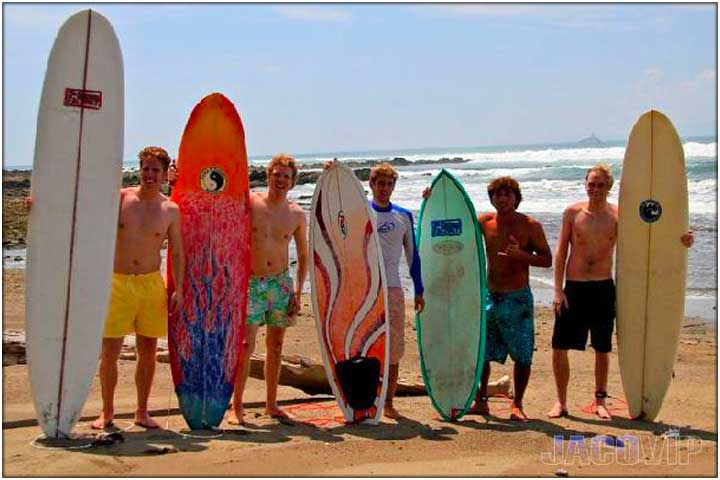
[587, 304]
[513, 242]
[138, 302]
[272, 300]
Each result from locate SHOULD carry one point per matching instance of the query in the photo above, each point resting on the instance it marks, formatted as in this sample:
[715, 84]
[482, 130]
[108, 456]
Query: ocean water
[551, 177]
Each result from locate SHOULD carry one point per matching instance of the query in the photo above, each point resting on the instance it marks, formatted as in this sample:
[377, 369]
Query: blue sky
[341, 77]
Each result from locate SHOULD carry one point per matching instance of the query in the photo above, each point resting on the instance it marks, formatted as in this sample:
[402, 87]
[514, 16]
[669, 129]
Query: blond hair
[383, 169]
[283, 160]
[603, 168]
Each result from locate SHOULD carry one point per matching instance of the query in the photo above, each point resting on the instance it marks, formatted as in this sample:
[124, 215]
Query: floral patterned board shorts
[269, 299]
[510, 327]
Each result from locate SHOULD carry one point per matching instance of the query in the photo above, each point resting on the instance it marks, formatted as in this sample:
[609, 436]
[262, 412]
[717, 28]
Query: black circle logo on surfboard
[212, 180]
[650, 210]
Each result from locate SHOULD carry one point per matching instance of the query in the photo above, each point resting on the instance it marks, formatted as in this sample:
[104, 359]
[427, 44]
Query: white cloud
[709, 76]
[702, 85]
[689, 101]
[578, 16]
[651, 76]
[649, 88]
[314, 13]
[41, 17]
[37, 16]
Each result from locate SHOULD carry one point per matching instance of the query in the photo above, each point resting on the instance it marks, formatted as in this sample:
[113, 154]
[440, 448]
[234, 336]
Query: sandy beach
[420, 444]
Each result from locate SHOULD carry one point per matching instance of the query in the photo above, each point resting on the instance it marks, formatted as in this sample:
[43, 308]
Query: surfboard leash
[616, 411]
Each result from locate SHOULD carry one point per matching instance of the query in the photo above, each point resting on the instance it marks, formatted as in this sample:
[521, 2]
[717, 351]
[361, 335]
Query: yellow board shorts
[138, 304]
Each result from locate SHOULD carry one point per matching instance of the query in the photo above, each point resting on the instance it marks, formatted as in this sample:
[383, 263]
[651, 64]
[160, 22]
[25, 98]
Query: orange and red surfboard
[348, 293]
[212, 191]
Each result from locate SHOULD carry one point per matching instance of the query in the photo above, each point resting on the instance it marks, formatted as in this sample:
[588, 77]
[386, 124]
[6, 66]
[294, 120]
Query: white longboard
[651, 261]
[76, 179]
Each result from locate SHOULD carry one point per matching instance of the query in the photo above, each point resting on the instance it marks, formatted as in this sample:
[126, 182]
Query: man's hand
[559, 301]
[172, 173]
[294, 304]
[28, 203]
[419, 303]
[512, 250]
[176, 302]
[331, 164]
[688, 239]
[427, 191]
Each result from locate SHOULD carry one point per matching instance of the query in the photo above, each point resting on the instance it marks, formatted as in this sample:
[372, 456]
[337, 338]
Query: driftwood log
[309, 376]
[295, 371]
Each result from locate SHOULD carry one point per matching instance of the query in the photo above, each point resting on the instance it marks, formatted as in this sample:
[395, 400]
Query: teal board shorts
[510, 327]
[269, 299]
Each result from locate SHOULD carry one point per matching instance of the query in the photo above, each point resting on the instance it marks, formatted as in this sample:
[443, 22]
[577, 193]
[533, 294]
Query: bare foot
[144, 420]
[480, 407]
[236, 416]
[517, 414]
[101, 423]
[602, 411]
[558, 411]
[276, 412]
[391, 412]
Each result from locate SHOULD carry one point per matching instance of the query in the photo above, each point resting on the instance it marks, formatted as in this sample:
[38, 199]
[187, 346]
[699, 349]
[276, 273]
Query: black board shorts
[591, 310]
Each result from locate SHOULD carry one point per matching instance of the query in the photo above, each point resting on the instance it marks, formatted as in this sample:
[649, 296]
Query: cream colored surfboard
[76, 178]
[651, 261]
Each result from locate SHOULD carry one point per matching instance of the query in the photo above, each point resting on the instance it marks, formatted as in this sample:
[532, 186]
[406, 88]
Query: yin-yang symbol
[650, 210]
[212, 180]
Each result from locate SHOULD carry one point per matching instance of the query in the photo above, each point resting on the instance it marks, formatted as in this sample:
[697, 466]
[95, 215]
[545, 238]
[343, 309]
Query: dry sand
[418, 445]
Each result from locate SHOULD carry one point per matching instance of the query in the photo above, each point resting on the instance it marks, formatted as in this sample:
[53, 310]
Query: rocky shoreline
[16, 186]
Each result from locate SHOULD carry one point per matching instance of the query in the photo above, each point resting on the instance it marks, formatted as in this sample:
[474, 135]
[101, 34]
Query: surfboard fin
[359, 378]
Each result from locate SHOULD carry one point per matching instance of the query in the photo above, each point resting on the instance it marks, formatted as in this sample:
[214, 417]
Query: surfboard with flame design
[212, 192]
[348, 293]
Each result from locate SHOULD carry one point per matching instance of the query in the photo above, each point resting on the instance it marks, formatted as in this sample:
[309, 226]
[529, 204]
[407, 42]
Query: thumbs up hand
[512, 250]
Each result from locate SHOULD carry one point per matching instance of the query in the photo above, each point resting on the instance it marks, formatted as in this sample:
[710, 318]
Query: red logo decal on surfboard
[342, 224]
[77, 97]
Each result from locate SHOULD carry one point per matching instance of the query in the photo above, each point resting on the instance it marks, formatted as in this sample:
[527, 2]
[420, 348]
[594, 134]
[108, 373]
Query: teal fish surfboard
[451, 328]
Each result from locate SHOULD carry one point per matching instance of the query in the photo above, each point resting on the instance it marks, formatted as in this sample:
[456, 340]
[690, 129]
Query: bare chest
[594, 228]
[272, 223]
[137, 218]
[497, 237]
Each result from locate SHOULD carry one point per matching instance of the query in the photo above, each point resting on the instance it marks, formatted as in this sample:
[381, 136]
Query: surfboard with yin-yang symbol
[212, 191]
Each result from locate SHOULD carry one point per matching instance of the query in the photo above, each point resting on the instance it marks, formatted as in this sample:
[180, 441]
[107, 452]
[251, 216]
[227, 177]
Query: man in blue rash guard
[396, 232]
[395, 228]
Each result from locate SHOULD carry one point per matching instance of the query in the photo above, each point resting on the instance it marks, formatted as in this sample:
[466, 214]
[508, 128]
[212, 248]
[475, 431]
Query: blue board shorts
[510, 326]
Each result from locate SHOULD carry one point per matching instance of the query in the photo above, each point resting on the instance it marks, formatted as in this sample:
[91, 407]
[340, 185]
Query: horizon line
[420, 149]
